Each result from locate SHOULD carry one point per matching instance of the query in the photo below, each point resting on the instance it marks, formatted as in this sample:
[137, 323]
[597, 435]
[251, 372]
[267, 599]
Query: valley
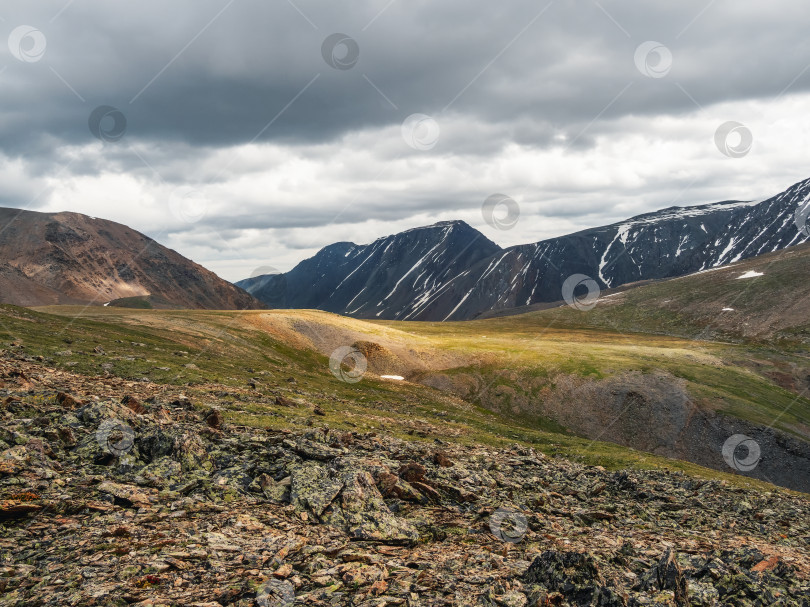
[404, 304]
[250, 469]
[559, 370]
[514, 448]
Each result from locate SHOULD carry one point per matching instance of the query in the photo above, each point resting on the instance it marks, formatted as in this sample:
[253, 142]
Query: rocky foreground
[120, 493]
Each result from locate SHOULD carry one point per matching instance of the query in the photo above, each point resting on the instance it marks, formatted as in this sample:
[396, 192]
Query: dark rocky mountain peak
[450, 271]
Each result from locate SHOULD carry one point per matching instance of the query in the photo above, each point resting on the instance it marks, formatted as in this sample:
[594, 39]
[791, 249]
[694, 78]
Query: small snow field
[393, 377]
[750, 274]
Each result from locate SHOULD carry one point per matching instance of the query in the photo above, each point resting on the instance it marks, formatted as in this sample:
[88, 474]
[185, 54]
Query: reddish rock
[427, 491]
[134, 404]
[440, 459]
[214, 419]
[767, 564]
[412, 472]
[66, 400]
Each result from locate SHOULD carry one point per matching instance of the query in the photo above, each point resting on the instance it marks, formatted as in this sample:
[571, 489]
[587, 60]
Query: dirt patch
[380, 359]
[783, 380]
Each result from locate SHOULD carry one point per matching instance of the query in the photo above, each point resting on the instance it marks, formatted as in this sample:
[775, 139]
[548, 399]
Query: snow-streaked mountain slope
[449, 271]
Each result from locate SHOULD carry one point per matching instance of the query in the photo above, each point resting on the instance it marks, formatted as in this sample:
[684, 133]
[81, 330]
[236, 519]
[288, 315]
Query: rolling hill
[69, 258]
[556, 377]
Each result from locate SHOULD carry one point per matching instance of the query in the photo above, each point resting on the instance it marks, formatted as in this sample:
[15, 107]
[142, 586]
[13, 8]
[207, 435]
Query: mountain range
[69, 258]
[446, 271]
[450, 271]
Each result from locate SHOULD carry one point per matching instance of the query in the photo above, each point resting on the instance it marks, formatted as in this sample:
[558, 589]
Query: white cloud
[558, 118]
[279, 204]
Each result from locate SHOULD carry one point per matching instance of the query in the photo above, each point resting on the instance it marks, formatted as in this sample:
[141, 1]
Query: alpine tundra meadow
[404, 303]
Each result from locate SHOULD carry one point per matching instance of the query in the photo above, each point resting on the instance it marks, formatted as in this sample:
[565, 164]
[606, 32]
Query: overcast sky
[247, 133]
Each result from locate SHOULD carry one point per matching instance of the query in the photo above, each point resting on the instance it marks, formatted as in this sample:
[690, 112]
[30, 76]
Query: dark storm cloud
[539, 100]
[220, 72]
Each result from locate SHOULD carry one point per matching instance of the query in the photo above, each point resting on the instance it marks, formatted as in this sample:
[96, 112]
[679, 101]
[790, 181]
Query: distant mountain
[69, 258]
[449, 271]
[394, 277]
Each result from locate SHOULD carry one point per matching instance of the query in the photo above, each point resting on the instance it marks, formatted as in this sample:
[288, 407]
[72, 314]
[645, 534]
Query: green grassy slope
[542, 346]
[771, 309]
[214, 355]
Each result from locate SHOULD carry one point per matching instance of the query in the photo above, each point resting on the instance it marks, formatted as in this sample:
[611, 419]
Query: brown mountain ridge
[70, 258]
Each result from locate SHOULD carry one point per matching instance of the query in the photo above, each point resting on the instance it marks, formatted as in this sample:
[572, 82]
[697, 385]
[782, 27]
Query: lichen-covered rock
[193, 515]
[159, 473]
[155, 443]
[191, 452]
[366, 514]
[309, 449]
[313, 488]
